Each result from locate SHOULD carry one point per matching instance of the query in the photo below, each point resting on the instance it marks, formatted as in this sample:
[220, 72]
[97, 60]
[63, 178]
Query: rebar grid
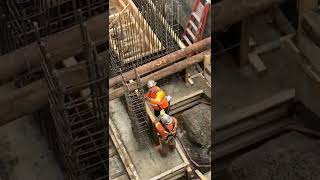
[141, 126]
[51, 15]
[79, 115]
[138, 37]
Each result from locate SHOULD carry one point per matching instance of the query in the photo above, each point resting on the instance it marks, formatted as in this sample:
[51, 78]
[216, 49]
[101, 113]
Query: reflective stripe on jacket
[172, 127]
[157, 98]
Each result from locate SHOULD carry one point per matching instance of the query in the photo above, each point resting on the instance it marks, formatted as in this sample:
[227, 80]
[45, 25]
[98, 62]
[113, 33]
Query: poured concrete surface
[148, 161]
[24, 153]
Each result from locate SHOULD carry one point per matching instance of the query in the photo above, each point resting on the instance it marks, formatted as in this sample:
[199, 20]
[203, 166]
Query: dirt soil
[195, 133]
[292, 156]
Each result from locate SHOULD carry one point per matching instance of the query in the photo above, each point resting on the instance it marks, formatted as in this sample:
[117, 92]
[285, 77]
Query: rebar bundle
[79, 115]
[51, 15]
[138, 36]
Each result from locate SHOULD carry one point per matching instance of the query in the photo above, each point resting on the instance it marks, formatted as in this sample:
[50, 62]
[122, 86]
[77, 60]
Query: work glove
[168, 98]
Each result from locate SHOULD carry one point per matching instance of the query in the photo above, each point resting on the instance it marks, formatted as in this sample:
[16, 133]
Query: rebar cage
[52, 16]
[140, 124]
[141, 33]
[79, 114]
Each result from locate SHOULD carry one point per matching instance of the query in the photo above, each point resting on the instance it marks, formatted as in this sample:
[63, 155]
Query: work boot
[163, 153]
[163, 149]
[172, 144]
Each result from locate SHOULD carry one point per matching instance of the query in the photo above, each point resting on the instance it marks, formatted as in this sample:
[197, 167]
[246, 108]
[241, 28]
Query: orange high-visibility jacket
[172, 127]
[157, 98]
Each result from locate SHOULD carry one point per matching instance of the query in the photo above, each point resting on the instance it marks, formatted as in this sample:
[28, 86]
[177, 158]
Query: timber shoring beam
[228, 12]
[164, 61]
[61, 45]
[174, 68]
[34, 96]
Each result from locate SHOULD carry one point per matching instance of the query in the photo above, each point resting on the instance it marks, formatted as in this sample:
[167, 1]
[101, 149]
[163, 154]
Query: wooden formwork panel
[130, 36]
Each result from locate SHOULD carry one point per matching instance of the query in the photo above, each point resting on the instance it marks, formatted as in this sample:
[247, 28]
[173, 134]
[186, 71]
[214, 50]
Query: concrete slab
[148, 161]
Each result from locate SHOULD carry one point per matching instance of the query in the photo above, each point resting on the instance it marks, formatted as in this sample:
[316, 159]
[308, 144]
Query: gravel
[292, 156]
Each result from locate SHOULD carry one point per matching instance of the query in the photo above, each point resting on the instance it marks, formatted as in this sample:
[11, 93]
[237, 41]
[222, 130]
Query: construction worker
[166, 127]
[157, 98]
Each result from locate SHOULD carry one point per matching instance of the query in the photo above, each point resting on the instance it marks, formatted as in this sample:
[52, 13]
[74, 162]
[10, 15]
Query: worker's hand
[168, 98]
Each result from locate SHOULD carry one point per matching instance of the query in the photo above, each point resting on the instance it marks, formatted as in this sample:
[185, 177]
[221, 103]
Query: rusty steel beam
[61, 45]
[228, 12]
[164, 61]
[174, 68]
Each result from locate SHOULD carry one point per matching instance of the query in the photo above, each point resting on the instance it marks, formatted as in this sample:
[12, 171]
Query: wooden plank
[164, 61]
[310, 50]
[69, 62]
[201, 176]
[184, 98]
[257, 63]
[138, 28]
[252, 42]
[311, 25]
[251, 123]
[304, 6]
[122, 177]
[168, 27]
[116, 138]
[282, 22]
[244, 42]
[251, 110]
[185, 102]
[181, 153]
[169, 172]
[174, 111]
[250, 138]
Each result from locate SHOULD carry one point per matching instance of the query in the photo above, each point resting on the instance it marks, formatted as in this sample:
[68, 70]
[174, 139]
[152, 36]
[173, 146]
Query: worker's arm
[147, 96]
